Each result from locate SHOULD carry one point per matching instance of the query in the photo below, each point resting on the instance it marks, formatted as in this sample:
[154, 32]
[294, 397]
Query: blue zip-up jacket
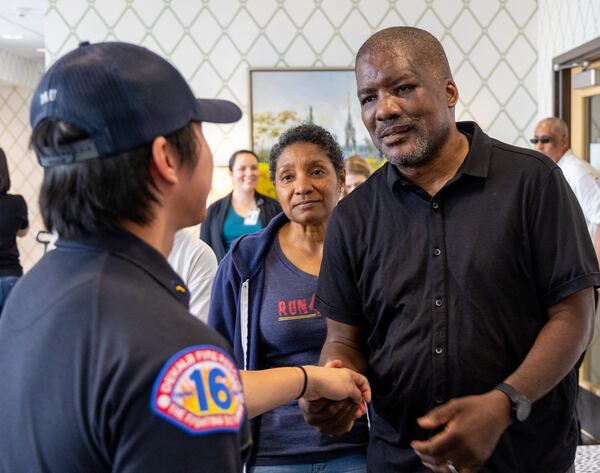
[237, 291]
[237, 296]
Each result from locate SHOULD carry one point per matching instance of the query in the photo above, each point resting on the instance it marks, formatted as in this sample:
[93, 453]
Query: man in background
[196, 263]
[552, 138]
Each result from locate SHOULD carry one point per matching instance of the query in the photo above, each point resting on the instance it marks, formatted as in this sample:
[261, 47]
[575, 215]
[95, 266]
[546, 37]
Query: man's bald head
[559, 127]
[414, 43]
[557, 132]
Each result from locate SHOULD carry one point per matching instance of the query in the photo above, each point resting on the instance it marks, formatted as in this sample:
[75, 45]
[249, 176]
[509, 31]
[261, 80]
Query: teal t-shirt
[234, 227]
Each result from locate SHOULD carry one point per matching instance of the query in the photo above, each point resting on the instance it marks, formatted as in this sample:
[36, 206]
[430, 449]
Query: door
[585, 142]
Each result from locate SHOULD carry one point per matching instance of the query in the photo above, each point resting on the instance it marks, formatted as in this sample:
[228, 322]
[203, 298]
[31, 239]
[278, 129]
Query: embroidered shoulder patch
[199, 390]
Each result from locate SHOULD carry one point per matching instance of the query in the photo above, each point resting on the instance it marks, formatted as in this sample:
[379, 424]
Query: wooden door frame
[561, 83]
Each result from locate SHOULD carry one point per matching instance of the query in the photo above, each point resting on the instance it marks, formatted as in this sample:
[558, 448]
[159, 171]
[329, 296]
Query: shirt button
[439, 350]
[438, 303]
[435, 205]
[439, 400]
[437, 252]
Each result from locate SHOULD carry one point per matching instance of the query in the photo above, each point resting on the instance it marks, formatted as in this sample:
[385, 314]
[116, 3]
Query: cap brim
[217, 111]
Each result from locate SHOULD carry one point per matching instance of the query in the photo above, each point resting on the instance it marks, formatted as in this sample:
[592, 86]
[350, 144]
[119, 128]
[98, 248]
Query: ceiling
[24, 18]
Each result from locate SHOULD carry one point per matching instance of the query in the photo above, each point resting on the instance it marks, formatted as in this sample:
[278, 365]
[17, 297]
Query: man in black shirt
[459, 277]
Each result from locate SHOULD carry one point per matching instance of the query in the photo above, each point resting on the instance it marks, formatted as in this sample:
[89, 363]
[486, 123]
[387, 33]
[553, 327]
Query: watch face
[522, 409]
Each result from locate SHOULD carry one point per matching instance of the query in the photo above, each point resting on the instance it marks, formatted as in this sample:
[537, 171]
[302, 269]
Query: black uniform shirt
[453, 290]
[104, 370]
[13, 217]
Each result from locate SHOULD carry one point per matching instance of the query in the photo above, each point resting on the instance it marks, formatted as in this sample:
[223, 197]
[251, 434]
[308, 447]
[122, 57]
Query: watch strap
[517, 399]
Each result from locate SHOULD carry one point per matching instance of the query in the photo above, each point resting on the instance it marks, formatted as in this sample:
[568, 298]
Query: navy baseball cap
[123, 96]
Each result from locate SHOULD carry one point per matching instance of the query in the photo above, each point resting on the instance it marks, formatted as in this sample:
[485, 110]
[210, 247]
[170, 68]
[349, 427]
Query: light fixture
[12, 36]
[41, 50]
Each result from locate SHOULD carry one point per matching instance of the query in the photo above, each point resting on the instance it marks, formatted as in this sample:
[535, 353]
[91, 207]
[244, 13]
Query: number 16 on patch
[199, 390]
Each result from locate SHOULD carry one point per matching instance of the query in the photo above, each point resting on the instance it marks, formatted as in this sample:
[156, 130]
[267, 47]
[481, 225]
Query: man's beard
[426, 147]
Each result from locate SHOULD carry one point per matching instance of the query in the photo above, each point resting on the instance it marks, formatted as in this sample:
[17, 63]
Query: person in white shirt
[196, 263]
[552, 139]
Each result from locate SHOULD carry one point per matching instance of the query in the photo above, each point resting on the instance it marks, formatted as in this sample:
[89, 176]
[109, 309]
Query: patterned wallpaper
[491, 45]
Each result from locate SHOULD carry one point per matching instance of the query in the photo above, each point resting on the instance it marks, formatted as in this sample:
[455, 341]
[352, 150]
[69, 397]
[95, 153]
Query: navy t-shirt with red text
[292, 333]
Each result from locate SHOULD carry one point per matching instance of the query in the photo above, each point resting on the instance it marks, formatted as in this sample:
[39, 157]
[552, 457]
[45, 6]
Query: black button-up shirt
[453, 290]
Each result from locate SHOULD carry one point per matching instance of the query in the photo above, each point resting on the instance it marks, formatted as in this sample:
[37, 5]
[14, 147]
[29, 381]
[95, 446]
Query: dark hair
[418, 44]
[308, 133]
[4, 175]
[235, 155]
[94, 196]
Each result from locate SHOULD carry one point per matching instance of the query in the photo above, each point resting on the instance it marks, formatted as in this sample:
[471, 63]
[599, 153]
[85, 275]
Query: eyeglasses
[544, 139]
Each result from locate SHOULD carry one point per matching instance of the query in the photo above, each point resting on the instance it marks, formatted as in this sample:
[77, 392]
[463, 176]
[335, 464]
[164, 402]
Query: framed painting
[281, 98]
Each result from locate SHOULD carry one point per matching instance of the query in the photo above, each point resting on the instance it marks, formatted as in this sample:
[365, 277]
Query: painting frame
[323, 95]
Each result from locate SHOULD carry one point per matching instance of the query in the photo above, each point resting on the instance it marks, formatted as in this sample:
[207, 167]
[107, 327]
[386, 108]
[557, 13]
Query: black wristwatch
[520, 406]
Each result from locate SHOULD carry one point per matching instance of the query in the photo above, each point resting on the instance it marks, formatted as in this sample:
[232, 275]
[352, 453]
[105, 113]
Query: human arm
[343, 343]
[267, 389]
[473, 424]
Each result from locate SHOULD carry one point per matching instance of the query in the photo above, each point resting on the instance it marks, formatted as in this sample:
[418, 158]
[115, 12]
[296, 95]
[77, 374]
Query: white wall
[563, 25]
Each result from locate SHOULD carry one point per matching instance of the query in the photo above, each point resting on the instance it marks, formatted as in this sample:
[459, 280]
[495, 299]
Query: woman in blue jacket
[263, 301]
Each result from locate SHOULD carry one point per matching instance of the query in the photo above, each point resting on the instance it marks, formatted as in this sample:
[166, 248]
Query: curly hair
[308, 133]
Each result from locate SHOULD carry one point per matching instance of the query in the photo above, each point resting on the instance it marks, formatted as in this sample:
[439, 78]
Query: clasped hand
[472, 427]
[335, 414]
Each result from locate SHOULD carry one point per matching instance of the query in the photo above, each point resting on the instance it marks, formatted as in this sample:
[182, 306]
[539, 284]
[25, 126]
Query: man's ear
[164, 163]
[452, 93]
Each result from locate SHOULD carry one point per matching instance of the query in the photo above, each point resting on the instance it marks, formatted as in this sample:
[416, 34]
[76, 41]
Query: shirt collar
[125, 245]
[565, 158]
[476, 163]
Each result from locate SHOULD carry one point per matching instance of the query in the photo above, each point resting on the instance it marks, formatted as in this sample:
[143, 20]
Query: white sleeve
[200, 279]
[196, 263]
[587, 191]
